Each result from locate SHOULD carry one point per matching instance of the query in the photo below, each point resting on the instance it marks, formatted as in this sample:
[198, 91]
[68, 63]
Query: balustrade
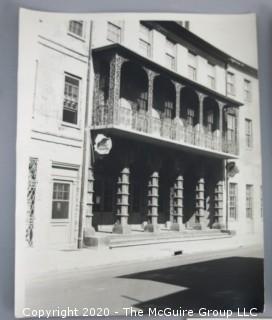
[144, 122]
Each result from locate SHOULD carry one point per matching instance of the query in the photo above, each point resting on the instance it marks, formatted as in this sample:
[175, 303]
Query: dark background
[9, 13]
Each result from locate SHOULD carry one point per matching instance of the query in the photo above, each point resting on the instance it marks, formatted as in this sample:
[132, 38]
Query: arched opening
[164, 97]
[189, 106]
[210, 115]
[134, 87]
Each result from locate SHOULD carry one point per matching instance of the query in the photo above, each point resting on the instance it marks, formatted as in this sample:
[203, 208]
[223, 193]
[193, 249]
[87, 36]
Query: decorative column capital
[221, 105]
[150, 74]
[117, 60]
[201, 97]
[178, 85]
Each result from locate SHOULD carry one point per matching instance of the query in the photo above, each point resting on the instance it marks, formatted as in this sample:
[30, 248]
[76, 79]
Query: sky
[234, 34]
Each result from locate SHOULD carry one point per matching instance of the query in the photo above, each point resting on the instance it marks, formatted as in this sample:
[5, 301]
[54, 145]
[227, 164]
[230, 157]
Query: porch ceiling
[108, 50]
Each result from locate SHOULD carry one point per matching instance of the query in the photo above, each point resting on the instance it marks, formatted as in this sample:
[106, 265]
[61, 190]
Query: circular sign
[102, 144]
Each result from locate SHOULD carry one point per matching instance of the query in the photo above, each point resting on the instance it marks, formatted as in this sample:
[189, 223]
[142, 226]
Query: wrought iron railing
[176, 130]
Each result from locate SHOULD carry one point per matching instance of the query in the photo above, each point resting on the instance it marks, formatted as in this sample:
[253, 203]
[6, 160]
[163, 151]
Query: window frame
[69, 217]
[247, 90]
[230, 85]
[233, 200]
[118, 26]
[170, 54]
[249, 201]
[74, 34]
[78, 79]
[211, 76]
[146, 39]
[249, 133]
[192, 57]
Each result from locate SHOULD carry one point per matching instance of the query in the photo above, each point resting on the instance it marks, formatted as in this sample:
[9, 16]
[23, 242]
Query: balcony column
[199, 133]
[201, 98]
[150, 94]
[177, 224]
[116, 63]
[220, 126]
[199, 200]
[121, 225]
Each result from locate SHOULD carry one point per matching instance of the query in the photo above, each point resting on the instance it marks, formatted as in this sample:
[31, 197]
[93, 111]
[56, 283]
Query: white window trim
[121, 27]
[68, 124]
[247, 120]
[248, 98]
[233, 93]
[68, 220]
[70, 33]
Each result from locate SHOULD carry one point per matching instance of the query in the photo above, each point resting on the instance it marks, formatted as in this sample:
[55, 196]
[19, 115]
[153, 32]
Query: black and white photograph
[139, 179]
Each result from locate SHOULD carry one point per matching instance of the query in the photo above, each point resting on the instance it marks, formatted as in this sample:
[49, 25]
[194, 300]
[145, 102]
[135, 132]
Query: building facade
[139, 126]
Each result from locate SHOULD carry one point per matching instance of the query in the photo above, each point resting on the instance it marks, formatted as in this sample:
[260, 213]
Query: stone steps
[118, 241]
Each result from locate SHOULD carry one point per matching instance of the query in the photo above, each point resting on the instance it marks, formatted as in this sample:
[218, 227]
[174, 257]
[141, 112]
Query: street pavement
[225, 279]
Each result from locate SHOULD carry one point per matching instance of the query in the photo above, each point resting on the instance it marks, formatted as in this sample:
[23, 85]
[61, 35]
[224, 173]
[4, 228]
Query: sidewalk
[59, 261]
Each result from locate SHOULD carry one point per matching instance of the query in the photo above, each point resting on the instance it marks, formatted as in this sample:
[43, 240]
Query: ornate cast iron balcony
[137, 95]
[168, 129]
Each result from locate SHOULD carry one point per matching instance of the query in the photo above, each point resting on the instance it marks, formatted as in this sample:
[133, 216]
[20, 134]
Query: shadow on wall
[229, 283]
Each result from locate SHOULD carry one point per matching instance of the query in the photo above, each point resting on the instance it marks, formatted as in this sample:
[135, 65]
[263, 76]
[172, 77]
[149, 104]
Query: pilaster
[89, 229]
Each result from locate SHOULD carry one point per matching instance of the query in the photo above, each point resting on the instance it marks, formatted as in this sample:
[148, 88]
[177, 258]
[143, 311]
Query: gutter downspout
[86, 141]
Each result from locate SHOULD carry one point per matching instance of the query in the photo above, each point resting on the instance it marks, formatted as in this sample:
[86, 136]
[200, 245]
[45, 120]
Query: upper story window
[145, 40]
[248, 131]
[209, 121]
[170, 54]
[249, 201]
[114, 31]
[76, 27]
[231, 127]
[211, 76]
[190, 117]
[233, 200]
[192, 66]
[247, 90]
[230, 83]
[71, 99]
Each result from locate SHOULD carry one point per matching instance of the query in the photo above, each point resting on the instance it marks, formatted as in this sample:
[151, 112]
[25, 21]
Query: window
[76, 27]
[231, 127]
[71, 97]
[61, 199]
[192, 66]
[248, 129]
[209, 121]
[168, 107]
[211, 76]
[145, 40]
[249, 201]
[230, 83]
[114, 31]
[170, 54]
[233, 200]
[247, 90]
[190, 116]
